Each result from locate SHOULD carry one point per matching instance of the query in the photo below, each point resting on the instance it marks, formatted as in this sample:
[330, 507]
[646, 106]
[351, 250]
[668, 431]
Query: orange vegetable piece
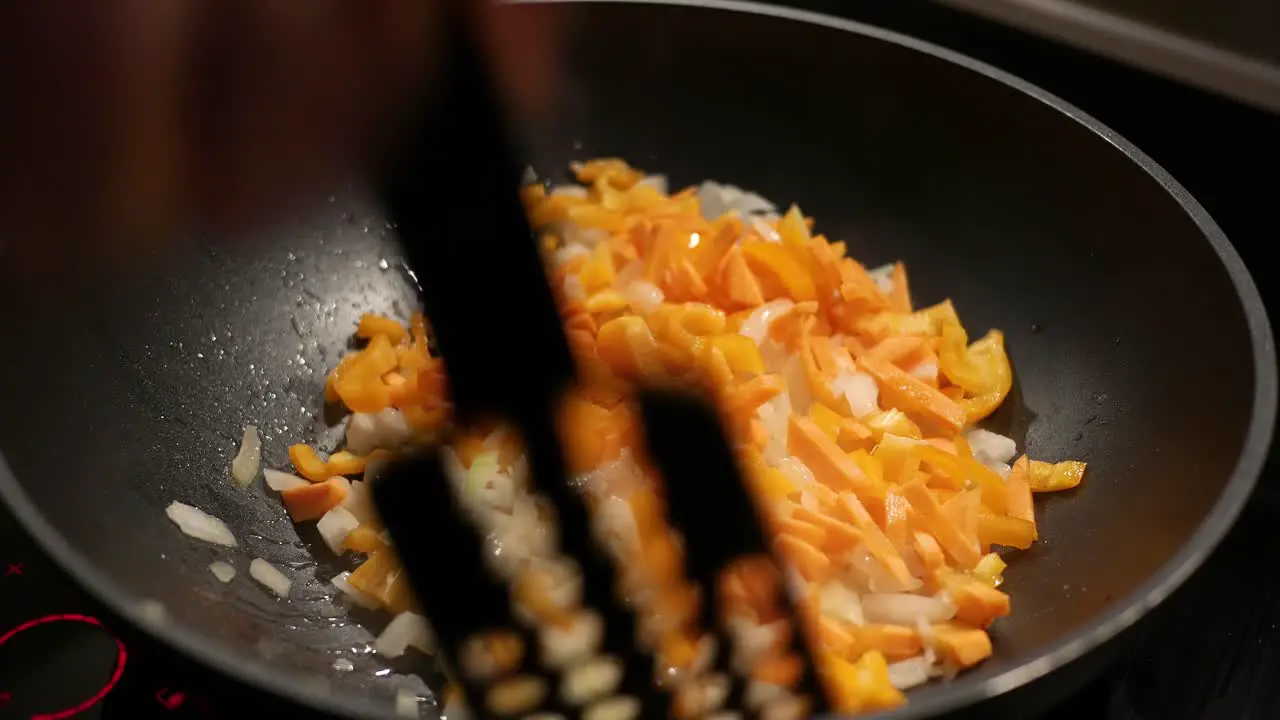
[382, 577]
[895, 642]
[903, 391]
[838, 536]
[1046, 477]
[1007, 531]
[977, 603]
[877, 542]
[782, 670]
[960, 545]
[740, 352]
[371, 325]
[628, 347]
[779, 272]
[807, 559]
[308, 463]
[312, 501]
[345, 463]
[965, 646]
[905, 351]
[1018, 491]
[830, 465]
[900, 294]
[740, 285]
[862, 686]
[532, 590]
[802, 530]
[364, 539]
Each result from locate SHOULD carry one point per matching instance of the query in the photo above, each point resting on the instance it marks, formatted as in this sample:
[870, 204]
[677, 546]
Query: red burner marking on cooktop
[14, 569]
[121, 656]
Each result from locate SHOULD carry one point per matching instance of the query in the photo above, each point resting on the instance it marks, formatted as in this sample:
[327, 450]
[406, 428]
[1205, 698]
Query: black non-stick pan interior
[1137, 338]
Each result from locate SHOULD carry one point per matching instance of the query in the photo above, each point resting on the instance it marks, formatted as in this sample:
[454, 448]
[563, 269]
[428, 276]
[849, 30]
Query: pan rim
[962, 693]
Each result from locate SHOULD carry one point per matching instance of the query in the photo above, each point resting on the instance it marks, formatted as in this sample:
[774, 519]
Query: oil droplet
[383, 264]
[343, 665]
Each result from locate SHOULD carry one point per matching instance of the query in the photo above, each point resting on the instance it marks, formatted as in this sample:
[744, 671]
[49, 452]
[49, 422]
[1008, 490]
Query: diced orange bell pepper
[308, 463]
[310, 502]
[371, 325]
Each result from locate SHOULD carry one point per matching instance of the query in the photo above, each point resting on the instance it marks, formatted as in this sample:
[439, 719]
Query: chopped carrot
[965, 646]
[807, 532]
[905, 351]
[808, 560]
[894, 641]
[830, 465]
[837, 536]
[903, 391]
[877, 542]
[781, 670]
[900, 294]
[740, 284]
[364, 538]
[960, 545]
[977, 603]
[308, 463]
[309, 502]
[927, 548]
[780, 274]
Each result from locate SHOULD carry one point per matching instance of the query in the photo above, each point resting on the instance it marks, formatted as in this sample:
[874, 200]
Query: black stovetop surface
[1210, 653]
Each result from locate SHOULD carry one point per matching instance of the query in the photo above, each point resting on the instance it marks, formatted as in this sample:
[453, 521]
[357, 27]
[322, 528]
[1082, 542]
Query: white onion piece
[565, 253]
[796, 471]
[657, 182]
[351, 593]
[270, 577]
[841, 603]
[793, 374]
[1001, 469]
[906, 674]
[358, 502]
[756, 326]
[280, 480]
[927, 371]
[200, 524]
[406, 703]
[860, 390]
[875, 577]
[392, 428]
[882, 277]
[569, 191]
[406, 630]
[529, 176]
[712, 200]
[905, 608]
[334, 526]
[361, 433]
[644, 296]
[774, 414]
[764, 230]
[989, 448]
[573, 289]
[246, 463]
[222, 571]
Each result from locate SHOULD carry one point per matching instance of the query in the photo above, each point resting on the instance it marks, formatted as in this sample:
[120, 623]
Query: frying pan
[1139, 341]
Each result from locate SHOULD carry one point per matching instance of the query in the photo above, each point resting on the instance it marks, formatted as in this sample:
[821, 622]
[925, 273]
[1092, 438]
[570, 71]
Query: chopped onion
[764, 230]
[793, 374]
[775, 414]
[644, 296]
[245, 466]
[1001, 469]
[406, 703]
[841, 603]
[990, 448]
[406, 630]
[569, 191]
[280, 480]
[199, 524]
[796, 471]
[392, 428]
[358, 502]
[351, 593]
[334, 526]
[222, 571]
[927, 371]
[905, 608]
[906, 674]
[657, 182]
[860, 390]
[756, 326]
[573, 289]
[882, 277]
[361, 433]
[270, 577]
[875, 578]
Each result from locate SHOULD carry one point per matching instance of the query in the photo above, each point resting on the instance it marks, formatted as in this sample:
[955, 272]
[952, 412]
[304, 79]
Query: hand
[122, 120]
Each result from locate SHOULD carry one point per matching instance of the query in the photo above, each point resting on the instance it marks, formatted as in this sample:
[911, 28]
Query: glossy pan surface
[1138, 339]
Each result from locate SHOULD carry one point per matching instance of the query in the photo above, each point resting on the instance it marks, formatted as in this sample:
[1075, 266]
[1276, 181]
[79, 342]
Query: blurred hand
[119, 120]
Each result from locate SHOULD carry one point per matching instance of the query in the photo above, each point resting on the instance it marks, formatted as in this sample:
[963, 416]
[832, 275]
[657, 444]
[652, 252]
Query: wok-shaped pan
[1139, 341]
